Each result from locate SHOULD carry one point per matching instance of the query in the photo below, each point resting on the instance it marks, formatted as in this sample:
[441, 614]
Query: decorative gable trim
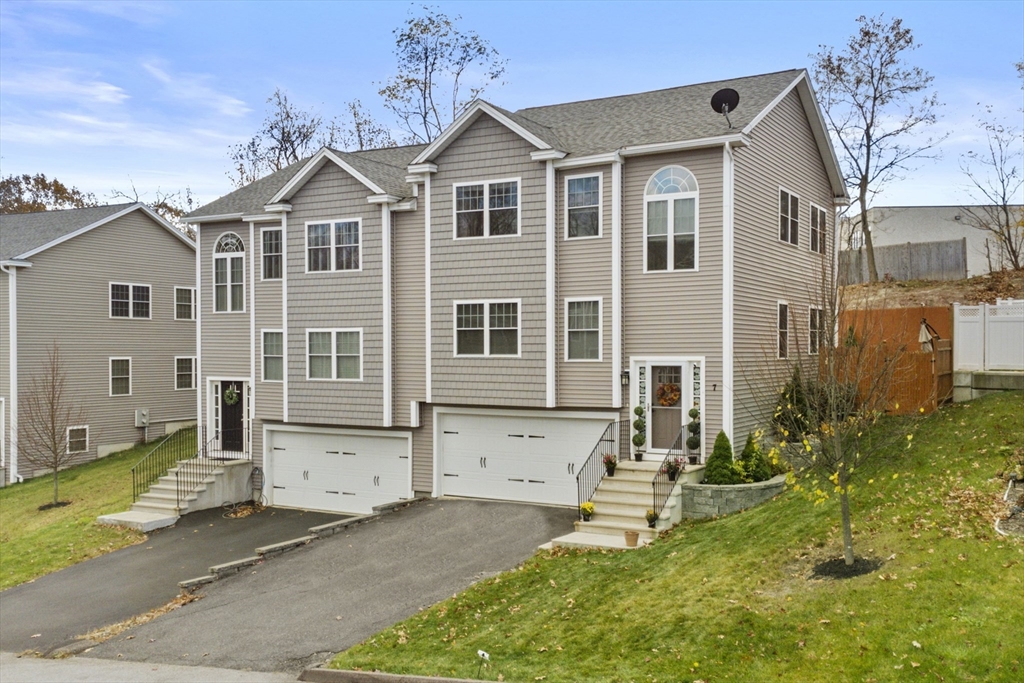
[468, 117]
[315, 163]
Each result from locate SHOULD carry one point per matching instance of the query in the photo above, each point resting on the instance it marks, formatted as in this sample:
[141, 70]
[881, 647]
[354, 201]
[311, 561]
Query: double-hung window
[670, 217]
[783, 327]
[583, 206]
[129, 301]
[78, 439]
[334, 354]
[815, 328]
[333, 245]
[229, 274]
[184, 372]
[583, 329]
[789, 217]
[184, 303]
[120, 376]
[487, 209]
[817, 229]
[272, 251]
[487, 328]
[273, 356]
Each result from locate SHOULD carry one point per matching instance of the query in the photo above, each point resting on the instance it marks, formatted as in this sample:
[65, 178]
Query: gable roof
[23, 235]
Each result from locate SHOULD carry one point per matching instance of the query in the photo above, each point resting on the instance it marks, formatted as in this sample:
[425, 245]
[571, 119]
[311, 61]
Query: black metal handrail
[175, 446]
[219, 448]
[663, 482]
[614, 441]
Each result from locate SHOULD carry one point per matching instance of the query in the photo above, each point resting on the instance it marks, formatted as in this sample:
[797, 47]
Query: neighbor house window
[783, 330]
[273, 356]
[272, 250]
[815, 329]
[184, 372]
[583, 330]
[229, 274]
[184, 303]
[78, 439]
[332, 245]
[487, 328]
[335, 354]
[789, 212]
[583, 206]
[120, 376]
[670, 217]
[488, 209]
[129, 301]
[817, 229]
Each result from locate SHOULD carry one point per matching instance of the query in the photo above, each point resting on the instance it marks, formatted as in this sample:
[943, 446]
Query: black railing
[222, 446]
[614, 441]
[665, 480]
[179, 445]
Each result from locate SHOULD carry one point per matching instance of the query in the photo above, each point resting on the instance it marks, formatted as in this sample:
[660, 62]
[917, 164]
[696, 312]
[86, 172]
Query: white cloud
[193, 89]
[64, 84]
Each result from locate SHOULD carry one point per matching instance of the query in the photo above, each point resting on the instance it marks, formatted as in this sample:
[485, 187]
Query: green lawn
[731, 599]
[34, 542]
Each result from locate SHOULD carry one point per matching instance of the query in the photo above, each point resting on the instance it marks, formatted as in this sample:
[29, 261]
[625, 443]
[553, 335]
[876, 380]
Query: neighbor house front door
[232, 427]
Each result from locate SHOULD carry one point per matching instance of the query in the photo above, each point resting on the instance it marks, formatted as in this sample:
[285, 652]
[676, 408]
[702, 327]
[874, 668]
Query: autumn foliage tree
[32, 193]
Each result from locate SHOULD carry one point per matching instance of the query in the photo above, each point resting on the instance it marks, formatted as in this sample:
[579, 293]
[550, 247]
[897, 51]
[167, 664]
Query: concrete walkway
[14, 669]
[134, 580]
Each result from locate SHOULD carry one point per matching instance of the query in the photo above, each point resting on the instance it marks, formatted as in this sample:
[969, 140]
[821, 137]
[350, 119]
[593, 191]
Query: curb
[318, 675]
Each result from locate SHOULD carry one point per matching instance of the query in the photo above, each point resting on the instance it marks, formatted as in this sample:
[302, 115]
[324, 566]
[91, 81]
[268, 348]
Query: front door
[667, 388]
[232, 436]
[666, 417]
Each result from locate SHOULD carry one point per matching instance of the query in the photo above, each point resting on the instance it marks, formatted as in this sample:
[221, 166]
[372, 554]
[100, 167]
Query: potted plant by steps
[640, 438]
[631, 538]
[610, 464]
[652, 518]
[587, 511]
[672, 467]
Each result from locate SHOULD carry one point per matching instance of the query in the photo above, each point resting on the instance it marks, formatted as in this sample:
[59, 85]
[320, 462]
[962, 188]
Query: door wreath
[668, 394]
[230, 396]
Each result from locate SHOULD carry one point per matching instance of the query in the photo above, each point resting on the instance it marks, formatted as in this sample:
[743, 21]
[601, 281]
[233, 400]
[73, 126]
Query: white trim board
[464, 121]
[312, 166]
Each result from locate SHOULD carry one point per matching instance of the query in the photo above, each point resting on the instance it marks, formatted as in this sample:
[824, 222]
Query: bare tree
[434, 56]
[47, 435]
[363, 132]
[31, 193]
[172, 206]
[868, 94]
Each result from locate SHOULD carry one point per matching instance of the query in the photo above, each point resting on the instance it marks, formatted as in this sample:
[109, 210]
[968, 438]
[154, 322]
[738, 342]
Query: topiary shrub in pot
[755, 465]
[720, 469]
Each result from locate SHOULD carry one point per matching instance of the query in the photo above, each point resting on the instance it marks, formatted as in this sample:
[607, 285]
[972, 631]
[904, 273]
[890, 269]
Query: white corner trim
[549, 272]
[426, 292]
[728, 285]
[252, 319]
[388, 303]
[284, 316]
[197, 302]
[12, 348]
[616, 230]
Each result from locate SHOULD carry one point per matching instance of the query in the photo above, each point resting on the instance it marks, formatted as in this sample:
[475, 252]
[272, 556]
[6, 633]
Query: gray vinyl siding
[64, 298]
[335, 299]
[267, 295]
[511, 267]
[584, 270]
[676, 313]
[423, 451]
[782, 153]
[409, 314]
[5, 388]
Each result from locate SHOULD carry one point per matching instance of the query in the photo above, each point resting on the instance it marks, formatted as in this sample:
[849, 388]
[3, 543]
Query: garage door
[530, 459]
[338, 472]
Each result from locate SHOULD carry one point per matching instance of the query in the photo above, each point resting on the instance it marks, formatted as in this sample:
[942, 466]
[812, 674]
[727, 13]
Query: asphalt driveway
[298, 609]
[108, 589]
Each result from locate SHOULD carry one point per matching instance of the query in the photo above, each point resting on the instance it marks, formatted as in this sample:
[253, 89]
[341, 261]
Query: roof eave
[467, 118]
[314, 164]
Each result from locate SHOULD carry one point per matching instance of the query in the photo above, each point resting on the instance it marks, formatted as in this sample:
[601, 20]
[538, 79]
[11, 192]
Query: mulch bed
[838, 569]
[50, 506]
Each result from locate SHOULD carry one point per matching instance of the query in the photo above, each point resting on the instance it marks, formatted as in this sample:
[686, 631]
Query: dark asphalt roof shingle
[22, 232]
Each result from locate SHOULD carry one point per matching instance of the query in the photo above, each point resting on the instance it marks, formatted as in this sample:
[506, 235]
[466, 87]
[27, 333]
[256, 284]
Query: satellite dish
[725, 101]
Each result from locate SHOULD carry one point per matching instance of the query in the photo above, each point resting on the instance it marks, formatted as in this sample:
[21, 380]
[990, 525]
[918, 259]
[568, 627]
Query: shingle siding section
[409, 314]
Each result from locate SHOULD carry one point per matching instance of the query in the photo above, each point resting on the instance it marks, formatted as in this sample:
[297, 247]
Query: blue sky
[103, 94]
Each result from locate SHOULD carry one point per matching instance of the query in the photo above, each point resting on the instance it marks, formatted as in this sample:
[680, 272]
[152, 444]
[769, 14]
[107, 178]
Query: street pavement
[14, 669]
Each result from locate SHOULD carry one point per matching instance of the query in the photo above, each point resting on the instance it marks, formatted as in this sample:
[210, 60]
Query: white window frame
[600, 205]
[110, 375]
[600, 328]
[487, 328]
[487, 208]
[263, 355]
[67, 440]
[812, 348]
[778, 329]
[227, 255]
[263, 274]
[822, 228]
[334, 353]
[131, 301]
[671, 215]
[194, 378]
[333, 246]
[192, 294]
[778, 215]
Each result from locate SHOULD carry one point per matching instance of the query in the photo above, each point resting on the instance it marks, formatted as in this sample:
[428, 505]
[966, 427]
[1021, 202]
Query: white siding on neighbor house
[782, 154]
[64, 299]
[507, 267]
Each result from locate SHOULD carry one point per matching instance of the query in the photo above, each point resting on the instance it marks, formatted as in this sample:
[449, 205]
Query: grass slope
[732, 599]
[34, 542]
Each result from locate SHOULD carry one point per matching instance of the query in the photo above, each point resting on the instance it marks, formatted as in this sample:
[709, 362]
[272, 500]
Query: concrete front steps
[158, 507]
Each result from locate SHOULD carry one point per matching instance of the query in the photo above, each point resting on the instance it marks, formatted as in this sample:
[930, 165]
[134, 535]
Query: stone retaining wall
[701, 501]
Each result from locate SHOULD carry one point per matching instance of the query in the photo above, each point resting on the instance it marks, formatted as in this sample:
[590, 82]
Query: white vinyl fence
[989, 337]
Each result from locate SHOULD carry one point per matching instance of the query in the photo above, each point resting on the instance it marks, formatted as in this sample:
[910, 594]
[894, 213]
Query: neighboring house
[466, 318]
[898, 225]
[114, 288]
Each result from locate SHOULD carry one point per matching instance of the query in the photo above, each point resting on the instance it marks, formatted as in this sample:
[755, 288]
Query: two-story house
[467, 317]
[113, 289]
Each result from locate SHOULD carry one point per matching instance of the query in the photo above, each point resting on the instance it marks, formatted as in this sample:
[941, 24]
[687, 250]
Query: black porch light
[624, 376]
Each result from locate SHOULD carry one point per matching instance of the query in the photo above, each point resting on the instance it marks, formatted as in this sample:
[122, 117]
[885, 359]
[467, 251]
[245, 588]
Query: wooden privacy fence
[910, 261]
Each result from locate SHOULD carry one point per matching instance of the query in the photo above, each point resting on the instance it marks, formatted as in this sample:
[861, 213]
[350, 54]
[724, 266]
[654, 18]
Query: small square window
[335, 354]
[129, 301]
[487, 328]
[489, 209]
[78, 439]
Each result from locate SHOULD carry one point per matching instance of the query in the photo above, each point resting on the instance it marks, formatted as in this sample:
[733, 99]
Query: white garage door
[530, 459]
[337, 472]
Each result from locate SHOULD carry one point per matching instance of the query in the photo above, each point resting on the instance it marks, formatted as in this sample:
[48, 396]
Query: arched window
[229, 274]
[670, 220]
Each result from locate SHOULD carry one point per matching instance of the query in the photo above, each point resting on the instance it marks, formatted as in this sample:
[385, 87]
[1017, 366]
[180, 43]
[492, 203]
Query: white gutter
[385, 222]
[549, 261]
[617, 283]
[216, 218]
[728, 284]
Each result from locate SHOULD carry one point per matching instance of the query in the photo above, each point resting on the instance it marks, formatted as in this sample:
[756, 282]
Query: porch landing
[142, 521]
